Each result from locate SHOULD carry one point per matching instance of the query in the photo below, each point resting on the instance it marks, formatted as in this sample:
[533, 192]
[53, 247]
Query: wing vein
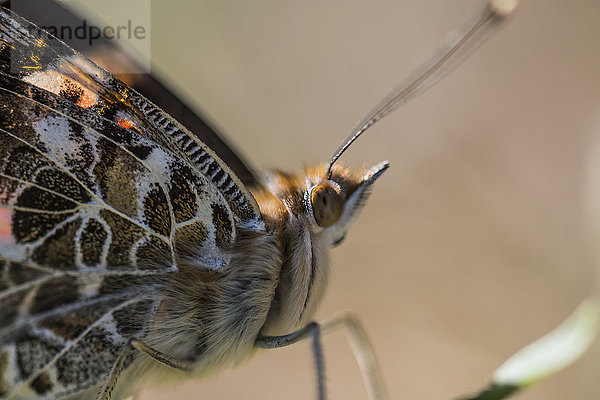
[68, 346]
[37, 186]
[100, 202]
[98, 134]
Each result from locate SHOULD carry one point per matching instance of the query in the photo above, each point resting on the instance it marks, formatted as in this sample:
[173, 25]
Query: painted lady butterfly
[128, 244]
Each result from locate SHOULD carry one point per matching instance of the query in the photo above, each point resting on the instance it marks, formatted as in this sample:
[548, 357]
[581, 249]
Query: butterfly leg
[314, 331]
[109, 386]
[363, 352]
[361, 347]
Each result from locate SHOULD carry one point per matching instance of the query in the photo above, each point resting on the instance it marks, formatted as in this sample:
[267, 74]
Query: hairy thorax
[304, 269]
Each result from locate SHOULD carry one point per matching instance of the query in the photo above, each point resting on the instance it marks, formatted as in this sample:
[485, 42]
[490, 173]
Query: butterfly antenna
[459, 44]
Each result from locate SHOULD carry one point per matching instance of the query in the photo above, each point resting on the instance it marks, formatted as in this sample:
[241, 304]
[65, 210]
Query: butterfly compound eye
[327, 204]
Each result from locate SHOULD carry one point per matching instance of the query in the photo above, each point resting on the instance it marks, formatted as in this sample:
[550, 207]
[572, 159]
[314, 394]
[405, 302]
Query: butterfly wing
[101, 195]
[114, 59]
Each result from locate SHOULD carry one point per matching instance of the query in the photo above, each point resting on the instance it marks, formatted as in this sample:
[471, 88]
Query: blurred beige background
[474, 242]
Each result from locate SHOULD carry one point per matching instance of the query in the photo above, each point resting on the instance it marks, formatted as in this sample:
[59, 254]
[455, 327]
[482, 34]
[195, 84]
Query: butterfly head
[327, 201]
[333, 202]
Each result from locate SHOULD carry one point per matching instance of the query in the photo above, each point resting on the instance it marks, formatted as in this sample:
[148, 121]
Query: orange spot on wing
[5, 226]
[87, 99]
[125, 123]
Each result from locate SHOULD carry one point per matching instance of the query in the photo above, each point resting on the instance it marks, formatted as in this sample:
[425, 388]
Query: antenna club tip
[503, 8]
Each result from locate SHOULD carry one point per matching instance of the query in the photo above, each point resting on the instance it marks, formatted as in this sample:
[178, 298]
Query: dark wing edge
[152, 87]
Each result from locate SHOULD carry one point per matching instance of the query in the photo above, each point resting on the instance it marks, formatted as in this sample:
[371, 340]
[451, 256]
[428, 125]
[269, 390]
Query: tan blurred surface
[473, 243]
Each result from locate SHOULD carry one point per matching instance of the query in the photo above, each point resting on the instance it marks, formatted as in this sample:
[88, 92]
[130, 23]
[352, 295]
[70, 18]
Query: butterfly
[128, 245]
